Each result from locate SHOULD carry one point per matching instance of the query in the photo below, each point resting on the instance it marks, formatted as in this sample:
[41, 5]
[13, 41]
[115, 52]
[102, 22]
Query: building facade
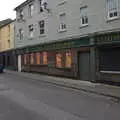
[69, 38]
[7, 56]
[7, 35]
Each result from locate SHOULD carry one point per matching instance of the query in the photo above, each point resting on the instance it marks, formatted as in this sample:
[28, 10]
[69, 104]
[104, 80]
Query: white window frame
[111, 10]
[31, 30]
[42, 27]
[21, 34]
[31, 9]
[62, 26]
[85, 22]
[21, 14]
[43, 5]
[41, 8]
[83, 16]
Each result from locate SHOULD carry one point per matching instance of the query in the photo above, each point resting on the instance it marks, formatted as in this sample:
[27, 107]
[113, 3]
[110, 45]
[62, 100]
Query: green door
[84, 66]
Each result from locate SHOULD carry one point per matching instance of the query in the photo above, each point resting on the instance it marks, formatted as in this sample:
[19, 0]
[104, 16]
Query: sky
[7, 8]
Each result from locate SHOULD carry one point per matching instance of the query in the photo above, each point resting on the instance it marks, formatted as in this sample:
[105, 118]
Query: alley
[22, 98]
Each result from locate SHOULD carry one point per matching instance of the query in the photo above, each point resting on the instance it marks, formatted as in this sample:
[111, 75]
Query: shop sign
[113, 37]
[60, 45]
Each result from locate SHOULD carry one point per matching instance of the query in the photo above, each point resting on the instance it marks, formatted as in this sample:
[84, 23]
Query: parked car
[1, 68]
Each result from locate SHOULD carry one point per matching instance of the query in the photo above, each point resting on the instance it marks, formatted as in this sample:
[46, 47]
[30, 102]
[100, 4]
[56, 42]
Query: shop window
[45, 58]
[58, 60]
[68, 61]
[62, 22]
[25, 59]
[38, 58]
[32, 58]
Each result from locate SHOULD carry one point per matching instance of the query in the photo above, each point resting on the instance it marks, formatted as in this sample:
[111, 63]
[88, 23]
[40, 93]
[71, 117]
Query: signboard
[57, 45]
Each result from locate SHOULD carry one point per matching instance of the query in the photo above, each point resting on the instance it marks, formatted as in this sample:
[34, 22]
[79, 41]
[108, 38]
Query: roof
[5, 22]
[23, 4]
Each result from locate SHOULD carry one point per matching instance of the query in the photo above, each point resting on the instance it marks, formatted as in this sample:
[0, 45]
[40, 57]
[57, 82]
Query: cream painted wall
[7, 37]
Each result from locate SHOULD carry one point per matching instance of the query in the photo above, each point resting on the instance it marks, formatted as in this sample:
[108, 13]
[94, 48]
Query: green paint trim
[56, 45]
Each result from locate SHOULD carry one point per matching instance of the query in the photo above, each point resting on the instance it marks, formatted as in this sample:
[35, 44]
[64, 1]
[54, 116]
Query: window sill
[31, 38]
[110, 72]
[82, 26]
[62, 2]
[112, 19]
[42, 35]
[62, 30]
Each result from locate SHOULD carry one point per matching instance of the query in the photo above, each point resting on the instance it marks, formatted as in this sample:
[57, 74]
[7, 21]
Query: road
[22, 98]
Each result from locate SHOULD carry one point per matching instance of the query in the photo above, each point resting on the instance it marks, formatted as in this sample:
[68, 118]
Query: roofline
[22, 4]
[7, 23]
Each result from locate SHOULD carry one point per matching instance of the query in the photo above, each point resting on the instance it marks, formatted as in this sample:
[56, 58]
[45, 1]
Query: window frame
[57, 64]
[113, 10]
[66, 59]
[38, 58]
[21, 14]
[84, 20]
[45, 58]
[42, 27]
[62, 25]
[21, 34]
[31, 30]
[31, 10]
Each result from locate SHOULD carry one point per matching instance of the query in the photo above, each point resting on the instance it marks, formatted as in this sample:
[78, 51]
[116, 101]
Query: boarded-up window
[38, 58]
[68, 61]
[58, 60]
[32, 58]
[45, 58]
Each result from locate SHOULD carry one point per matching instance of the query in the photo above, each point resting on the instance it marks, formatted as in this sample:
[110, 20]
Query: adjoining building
[6, 35]
[72, 38]
[7, 42]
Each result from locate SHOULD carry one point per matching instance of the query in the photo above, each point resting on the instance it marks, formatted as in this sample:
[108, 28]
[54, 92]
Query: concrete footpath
[101, 89]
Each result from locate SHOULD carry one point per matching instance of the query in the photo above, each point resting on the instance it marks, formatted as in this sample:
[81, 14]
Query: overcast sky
[6, 8]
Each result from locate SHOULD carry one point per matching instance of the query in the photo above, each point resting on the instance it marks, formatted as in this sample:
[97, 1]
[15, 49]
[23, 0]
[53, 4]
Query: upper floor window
[112, 7]
[42, 27]
[83, 16]
[41, 8]
[43, 5]
[21, 14]
[31, 30]
[31, 9]
[21, 34]
[62, 22]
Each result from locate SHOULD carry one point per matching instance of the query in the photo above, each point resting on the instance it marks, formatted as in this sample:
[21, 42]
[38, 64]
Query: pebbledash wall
[79, 50]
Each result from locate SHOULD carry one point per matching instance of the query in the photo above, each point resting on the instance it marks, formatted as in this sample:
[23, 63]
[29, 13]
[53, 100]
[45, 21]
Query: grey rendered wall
[97, 16]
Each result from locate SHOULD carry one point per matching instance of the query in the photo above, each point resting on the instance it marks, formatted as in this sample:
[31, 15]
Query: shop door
[84, 66]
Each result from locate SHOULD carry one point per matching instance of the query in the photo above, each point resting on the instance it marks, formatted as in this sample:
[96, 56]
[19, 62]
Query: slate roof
[5, 22]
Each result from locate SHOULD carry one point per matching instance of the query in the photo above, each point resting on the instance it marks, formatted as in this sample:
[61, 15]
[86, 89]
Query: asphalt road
[22, 98]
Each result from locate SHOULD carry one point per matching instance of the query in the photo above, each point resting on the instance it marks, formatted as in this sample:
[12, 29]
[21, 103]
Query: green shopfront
[72, 58]
[108, 57]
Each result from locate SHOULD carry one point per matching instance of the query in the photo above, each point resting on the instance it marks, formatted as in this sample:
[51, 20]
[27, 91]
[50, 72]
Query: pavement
[96, 88]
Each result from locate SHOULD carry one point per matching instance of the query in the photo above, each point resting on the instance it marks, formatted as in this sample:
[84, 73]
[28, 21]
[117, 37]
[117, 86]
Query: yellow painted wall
[7, 37]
